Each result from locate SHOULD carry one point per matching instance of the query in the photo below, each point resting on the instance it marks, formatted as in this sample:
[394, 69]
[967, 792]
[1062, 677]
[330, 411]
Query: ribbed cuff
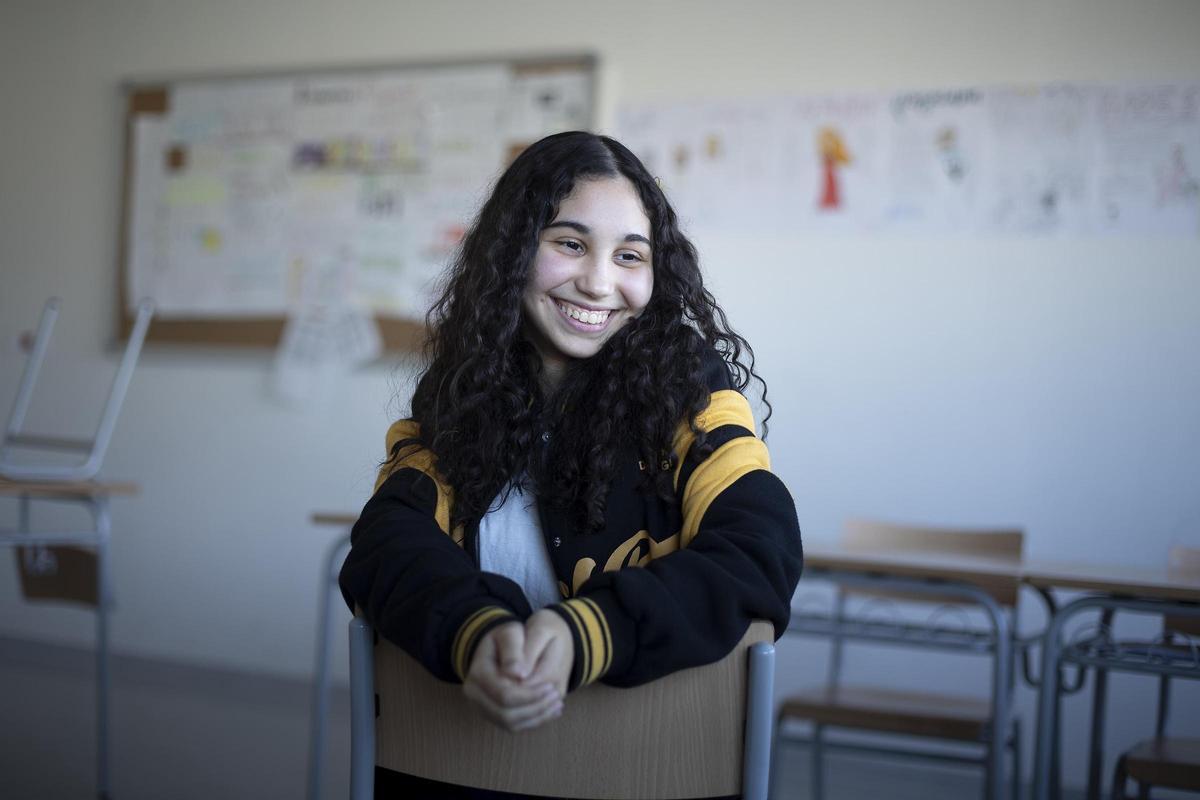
[592, 637]
[471, 631]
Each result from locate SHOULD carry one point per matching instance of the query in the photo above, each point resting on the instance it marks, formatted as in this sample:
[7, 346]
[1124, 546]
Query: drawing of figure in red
[833, 152]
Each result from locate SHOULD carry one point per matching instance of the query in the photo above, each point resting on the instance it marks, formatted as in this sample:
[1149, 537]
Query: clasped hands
[519, 673]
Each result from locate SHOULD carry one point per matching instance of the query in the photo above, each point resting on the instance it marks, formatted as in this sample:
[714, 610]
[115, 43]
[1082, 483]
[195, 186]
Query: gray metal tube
[1002, 650]
[756, 768]
[1096, 740]
[1045, 779]
[320, 696]
[362, 711]
[103, 606]
[37, 353]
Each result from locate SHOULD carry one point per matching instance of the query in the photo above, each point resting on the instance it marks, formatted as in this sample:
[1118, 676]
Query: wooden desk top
[66, 488]
[1159, 583]
[333, 518]
[909, 563]
[992, 574]
[999, 577]
[1116, 579]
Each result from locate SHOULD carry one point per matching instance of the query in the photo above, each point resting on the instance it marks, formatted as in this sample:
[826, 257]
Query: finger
[510, 650]
[508, 716]
[536, 641]
[553, 712]
[549, 659]
[504, 692]
[554, 667]
[531, 715]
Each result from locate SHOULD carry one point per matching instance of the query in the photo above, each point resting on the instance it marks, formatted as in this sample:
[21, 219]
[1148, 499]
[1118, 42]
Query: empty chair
[89, 452]
[1165, 761]
[701, 732]
[68, 565]
[883, 709]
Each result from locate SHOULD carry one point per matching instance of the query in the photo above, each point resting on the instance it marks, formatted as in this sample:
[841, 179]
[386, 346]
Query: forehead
[606, 204]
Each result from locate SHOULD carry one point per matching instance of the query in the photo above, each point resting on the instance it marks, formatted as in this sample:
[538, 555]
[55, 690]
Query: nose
[596, 278]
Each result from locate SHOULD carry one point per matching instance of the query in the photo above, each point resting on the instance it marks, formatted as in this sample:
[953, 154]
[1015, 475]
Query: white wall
[1051, 384]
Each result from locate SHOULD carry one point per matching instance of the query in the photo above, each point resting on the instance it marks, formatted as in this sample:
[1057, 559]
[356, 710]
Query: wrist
[471, 632]
[590, 637]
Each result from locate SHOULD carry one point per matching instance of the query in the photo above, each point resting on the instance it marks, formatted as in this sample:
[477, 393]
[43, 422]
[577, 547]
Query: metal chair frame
[92, 450]
[319, 718]
[997, 641]
[1057, 652]
[96, 502]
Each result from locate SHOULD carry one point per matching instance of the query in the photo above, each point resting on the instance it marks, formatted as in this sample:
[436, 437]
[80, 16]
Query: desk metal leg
[1047, 707]
[103, 605]
[1099, 708]
[1096, 746]
[817, 756]
[1001, 697]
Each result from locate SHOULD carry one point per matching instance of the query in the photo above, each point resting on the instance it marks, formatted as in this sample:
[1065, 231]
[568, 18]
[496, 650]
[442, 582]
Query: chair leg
[818, 761]
[1096, 742]
[771, 776]
[1118, 784]
[362, 711]
[1016, 759]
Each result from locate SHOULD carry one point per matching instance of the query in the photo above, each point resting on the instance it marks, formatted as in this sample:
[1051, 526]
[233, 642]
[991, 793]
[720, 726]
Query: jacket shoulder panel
[418, 457]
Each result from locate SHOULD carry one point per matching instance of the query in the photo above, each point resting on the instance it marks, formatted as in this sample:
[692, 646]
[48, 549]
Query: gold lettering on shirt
[636, 551]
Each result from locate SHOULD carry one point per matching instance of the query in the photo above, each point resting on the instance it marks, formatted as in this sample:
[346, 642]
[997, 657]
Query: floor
[181, 732]
[178, 732]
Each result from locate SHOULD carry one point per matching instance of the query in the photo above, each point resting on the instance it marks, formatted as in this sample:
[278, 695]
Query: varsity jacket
[665, 585]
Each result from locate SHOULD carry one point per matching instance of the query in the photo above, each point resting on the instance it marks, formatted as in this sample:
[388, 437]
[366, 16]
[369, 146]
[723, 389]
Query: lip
[584, 306]
[582, 327]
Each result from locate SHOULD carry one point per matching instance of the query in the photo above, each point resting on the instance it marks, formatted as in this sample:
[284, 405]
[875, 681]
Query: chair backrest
[1006, 544]
[93, 449]
[1183, 562]
[679, 736]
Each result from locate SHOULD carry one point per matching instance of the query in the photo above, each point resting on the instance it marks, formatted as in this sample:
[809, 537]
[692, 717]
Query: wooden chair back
[677, 737]
[986, 544]
[1183, 562]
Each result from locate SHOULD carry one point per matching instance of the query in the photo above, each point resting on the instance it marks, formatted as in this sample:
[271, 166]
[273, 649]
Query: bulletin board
[245, 197]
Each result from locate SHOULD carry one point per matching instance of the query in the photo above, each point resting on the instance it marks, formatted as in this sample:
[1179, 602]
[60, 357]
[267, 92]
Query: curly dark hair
[479, 404]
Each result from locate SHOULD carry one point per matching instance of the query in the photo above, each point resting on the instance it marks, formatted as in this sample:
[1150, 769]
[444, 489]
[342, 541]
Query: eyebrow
[579, 227]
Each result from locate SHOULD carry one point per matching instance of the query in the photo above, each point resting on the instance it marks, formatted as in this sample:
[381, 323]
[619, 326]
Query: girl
[579, 494]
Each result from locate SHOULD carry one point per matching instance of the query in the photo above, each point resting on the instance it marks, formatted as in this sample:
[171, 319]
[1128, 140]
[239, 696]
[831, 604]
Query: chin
[583, 352]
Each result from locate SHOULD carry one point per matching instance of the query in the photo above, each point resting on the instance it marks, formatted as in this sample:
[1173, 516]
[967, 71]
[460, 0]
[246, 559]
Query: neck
[551, 376]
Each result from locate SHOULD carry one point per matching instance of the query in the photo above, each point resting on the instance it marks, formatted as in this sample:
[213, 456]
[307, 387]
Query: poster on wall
[1046, 160]
[244, 191]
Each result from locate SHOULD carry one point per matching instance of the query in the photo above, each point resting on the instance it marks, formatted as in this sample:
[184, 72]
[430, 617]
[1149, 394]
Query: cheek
[638, 288]
[548, 272]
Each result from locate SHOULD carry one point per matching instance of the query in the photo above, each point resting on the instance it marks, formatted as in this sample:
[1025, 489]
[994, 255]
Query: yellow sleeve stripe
[595, 635]
[725, 407]
[468, 632]
[717, 473]
[419, 459]
[585, 653]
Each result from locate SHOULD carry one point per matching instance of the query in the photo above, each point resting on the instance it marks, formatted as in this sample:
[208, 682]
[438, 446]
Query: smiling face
[592, 273]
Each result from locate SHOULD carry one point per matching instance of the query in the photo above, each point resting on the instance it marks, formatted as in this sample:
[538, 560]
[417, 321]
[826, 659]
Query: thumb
[510, 648]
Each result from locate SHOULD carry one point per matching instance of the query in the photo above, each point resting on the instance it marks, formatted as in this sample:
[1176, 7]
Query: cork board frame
[153, 97]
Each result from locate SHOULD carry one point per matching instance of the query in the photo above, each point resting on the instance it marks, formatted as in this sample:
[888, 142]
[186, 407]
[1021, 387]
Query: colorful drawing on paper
[831, 147]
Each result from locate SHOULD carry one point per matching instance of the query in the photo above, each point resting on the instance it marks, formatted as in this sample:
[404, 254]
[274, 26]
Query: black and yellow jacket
[665, 586]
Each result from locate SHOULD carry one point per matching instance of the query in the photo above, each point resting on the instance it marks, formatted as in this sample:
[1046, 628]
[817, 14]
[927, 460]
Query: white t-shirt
[511, 544]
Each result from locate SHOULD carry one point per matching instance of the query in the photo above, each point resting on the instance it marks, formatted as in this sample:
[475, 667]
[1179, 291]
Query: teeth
[589, 317]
